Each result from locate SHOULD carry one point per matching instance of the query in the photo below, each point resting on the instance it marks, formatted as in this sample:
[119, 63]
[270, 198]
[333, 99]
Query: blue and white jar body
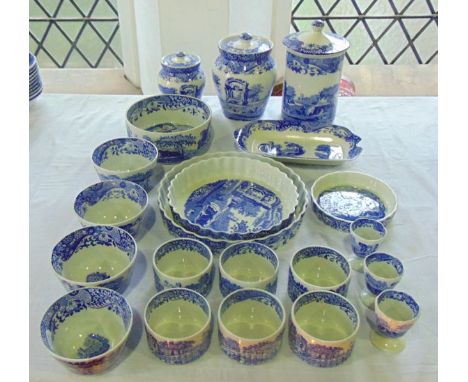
[187, 81]
[311, 87]
[244, 83]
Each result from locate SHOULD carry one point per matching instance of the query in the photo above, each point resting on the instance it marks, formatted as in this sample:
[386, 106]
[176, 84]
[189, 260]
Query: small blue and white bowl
[184, 263]
[178, 125]
[318, 268]
[178, 325]
[116, 203]
[95, 256]
[248, 265]
[378, 280]
[181, 74]
[130, 159]
[366, 236]
[250, 326]
[312, 316]
[87, 328]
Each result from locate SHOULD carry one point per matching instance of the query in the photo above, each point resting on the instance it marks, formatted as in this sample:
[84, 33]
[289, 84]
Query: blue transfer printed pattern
[143, 179]
[362, 250]
[383, 327]
[94, 345]
[252, 354]
[286, 149]
[362, 247]
[89, 237]
[378, 284]
[295, 289]
[243, 135]
[313, 66]
[186, 81]
[316, 354]
[234, 208]
[319, 109]
[124, 146]
[202, 286]
[77, 301]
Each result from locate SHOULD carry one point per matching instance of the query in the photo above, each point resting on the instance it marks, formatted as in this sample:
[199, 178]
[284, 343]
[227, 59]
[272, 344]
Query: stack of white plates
[35, 83]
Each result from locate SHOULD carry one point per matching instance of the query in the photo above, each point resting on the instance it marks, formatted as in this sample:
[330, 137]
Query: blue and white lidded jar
[314, 61]
[244, 74]
[181, 74]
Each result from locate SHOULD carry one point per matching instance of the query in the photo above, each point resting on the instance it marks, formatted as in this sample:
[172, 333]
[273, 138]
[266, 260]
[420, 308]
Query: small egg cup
[366, 236]
[388, 330]
[376, 283]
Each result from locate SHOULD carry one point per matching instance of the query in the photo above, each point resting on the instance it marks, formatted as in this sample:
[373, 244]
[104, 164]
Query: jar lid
[245, 43]
[316, 41]
[180, 60]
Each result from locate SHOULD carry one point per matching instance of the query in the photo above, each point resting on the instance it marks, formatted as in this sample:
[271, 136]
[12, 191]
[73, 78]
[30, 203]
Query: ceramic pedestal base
[391, 345]
[367, 298]
[357, 264]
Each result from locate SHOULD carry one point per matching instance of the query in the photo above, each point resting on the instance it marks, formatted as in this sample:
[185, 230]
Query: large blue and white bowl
[310, 337]
[95, 256]
[341, 197]
[251, 323]
[87, 328]
[274, 240]
[131, 159]
[178, 125]
[114, 202]
[326, 260]
[178, 325]
[239, 268]
[184, 263]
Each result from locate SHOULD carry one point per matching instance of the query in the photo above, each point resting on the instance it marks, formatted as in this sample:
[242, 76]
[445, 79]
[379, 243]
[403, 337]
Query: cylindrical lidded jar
[181, 74]
[314, 62]
[244, 74]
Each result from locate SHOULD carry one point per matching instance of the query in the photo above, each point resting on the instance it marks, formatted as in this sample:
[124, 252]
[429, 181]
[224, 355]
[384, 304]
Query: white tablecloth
[399, 137]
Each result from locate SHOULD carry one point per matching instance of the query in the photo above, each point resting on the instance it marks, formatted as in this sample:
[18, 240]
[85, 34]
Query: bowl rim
[173, 133]
[277, 331]
[187, 278]
[328, 342]
[86, 284]
[110, 142]
[253, 283]
[102, 355]
[319, 288]
[366, 270]
[319, 207]
[186, 170]
[368, 241]
[208, 322]
[398, 322]
[120, 223]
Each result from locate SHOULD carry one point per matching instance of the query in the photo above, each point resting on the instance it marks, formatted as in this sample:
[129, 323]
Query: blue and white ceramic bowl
[250, 326]
[217, 197]
[248, 265]
[299, 142]
[131, 159]
[382, 271]
[178, 125]
[184, 263]
[95, 256]
[318, 268]
[323, 328]
[396, 312]
[341, 197]
[181, 74]
[178, 325]
[244, 74]
[114, 202]
[366, 236]
[35, 82]
[217, 246]
[314, 62]
[87, 328]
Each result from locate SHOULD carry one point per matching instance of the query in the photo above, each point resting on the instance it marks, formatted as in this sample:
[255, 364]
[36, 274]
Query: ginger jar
[244, 74]
[314, 62]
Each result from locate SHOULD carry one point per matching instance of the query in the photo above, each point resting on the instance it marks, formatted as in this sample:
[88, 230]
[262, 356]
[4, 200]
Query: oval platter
[299, 142]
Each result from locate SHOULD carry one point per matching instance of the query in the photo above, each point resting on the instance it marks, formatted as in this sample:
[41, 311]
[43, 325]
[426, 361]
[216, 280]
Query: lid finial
[317, 25]
[246, 36]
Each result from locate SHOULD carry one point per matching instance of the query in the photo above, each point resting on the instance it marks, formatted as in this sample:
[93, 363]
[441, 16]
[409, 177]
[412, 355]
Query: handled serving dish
[296, 142]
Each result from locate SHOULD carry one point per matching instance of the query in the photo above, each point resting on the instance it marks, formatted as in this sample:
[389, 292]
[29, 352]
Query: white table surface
[399, 137]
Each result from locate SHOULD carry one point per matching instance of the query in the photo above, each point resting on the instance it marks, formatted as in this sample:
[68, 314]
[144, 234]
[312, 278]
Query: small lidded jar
[244, 74]
[314, 62]
[181, 74]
